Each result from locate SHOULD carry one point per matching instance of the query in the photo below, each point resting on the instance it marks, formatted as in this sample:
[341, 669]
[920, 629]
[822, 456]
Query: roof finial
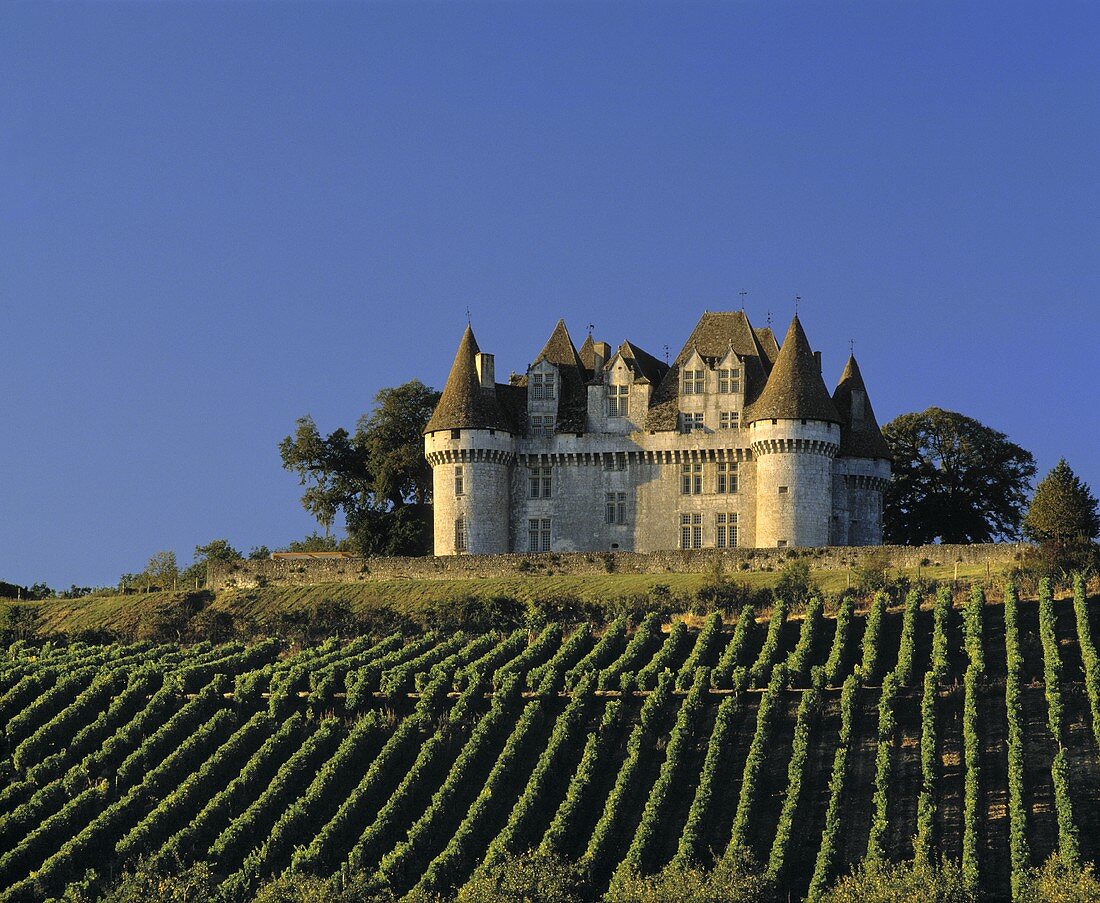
[468, 321]
[769, 318]
[591, 326]
[852, 347]
[666, 353]
[742, 293]
[797, 298]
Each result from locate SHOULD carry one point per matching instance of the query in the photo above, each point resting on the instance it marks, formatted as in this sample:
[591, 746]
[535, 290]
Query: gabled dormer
[693, 375]
[556, 398]
[543, 392]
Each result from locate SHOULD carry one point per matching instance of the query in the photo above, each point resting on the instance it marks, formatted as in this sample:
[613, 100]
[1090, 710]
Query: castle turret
[469, 443]
[794, 431]
[862, 467]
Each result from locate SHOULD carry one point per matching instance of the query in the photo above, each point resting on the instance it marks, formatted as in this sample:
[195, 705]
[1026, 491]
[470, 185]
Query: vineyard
[934, 728]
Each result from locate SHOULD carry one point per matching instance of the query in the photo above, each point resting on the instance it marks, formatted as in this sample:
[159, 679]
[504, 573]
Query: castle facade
[737, 443]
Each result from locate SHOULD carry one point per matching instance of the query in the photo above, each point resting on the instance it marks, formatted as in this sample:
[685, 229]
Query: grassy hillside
[952, 729]
[124, 614]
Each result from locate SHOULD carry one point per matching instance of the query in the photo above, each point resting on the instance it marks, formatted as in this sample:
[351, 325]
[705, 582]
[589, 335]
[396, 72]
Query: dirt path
[809, 820]
[901, 811]
[859, 788]
[949, 792]
[1039, 752]
[772, 783]
[996, 862]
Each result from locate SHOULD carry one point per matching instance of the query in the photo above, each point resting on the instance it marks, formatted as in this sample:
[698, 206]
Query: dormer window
[693, 382]
[689, 422]
[729, 381]
[542, 424]
[618, 401]
[542, 386]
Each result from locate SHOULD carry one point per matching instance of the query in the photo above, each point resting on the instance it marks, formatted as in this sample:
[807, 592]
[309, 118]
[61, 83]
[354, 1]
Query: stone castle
[736, 443]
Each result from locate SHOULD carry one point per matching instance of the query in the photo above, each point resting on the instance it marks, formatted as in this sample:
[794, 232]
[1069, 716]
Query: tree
[1063, 510]
[217, 551]
[161, 572]
[377, 477]
[955, 480]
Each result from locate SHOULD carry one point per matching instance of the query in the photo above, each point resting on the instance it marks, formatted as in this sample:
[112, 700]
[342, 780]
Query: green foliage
[762, 667]
[835, 662]
[795, 586]
[972, 780]
[941, 614]
[924, 842]
[1063, 509]
[734, 879]
[954, 480]
[378, 477]
[907, 645]
[872, 638]
[886, 727]
[915, 882]
[798, 662]
[534, 877]
[1017, 812]
[706, 645]
[1089, 658]
[731, 656]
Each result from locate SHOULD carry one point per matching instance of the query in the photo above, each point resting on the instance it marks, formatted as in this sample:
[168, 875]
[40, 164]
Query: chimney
[486, 372]
[817, 357]
[601, 351]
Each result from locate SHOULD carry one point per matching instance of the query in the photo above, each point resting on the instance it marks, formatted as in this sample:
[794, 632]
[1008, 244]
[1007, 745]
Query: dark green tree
[1063, 510]
[377, 477]
[955, 480]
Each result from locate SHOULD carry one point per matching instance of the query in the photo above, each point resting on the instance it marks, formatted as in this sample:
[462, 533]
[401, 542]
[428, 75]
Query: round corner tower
[795, 434]
[471, 449]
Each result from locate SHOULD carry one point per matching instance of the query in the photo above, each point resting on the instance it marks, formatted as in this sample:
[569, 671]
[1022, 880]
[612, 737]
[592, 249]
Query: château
[737, 442]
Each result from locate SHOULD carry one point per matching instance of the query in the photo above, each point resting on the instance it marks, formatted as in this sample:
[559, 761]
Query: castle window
[541, 482]
[725, 530]
[729, 381]
[691, 478]
[615, 461]
[616, 507]
[783, 490]
[618, 401]
[689, 422]
[693, 382]
[538, 534]
[730, 420]
[542, 424]
[460, 534]
[459, 483]
[542, 386]
[727, 477]
[456, 434]
[781, 544]
[691, 531]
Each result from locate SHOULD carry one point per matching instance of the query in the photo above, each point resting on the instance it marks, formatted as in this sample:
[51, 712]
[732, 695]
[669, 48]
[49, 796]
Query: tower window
[730, 420]
[781, 544]
[456, 434]
[542, 386]
[542, 424]
[693, 382]
[459, 482]
[691, 531]
[727, 477]
[616, 507]
[541, 483]
[689, 422]
[615, 461]
[783, 490]
[618, 401]
[725, 530]
[538, 534]
[729, 381]
[460, 534]
[691, 478]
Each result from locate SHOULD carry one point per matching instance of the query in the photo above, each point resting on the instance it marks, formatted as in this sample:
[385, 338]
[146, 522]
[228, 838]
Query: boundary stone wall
[251, 574]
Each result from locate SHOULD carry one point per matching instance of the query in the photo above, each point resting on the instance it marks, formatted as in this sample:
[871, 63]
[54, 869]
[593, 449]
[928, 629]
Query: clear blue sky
[217, 217]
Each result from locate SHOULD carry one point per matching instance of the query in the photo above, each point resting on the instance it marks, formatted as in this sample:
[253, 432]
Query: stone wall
[247, 574]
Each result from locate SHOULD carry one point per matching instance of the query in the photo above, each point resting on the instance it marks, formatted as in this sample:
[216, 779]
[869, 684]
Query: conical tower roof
[860, 436]
[465, 404]
[795, 389]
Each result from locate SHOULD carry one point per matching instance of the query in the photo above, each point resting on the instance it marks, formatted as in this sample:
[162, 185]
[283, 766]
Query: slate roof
[587, 354]
[795, 389]
[464, 403]
[768, 344]
[643, 364]
[863, 439]
[713, 336]
[573, 397]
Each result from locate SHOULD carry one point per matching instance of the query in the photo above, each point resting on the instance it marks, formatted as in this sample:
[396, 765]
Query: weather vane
[591, 326]
[468, 321]
[742, 293]
[797, 298]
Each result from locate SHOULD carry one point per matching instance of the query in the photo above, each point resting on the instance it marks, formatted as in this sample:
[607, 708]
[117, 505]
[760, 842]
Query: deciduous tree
[955, 480]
